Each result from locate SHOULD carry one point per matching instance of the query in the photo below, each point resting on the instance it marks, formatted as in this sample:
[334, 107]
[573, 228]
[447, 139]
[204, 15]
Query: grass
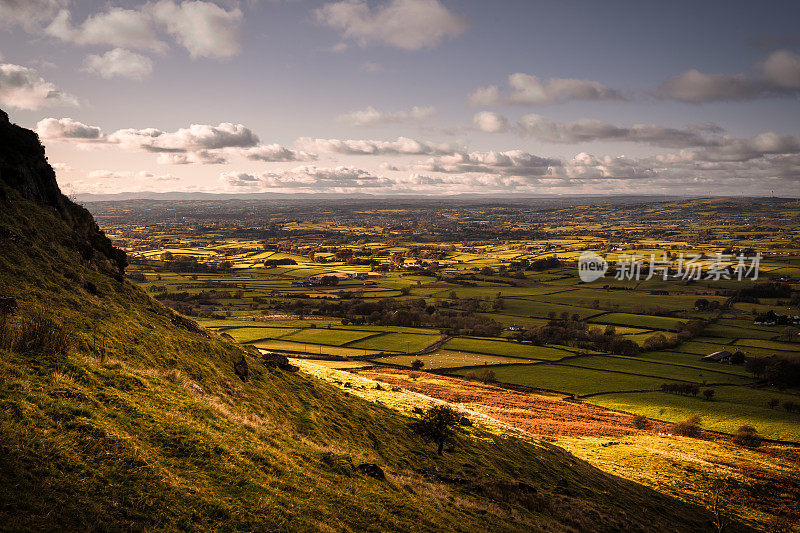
[639, 321]
[571, 380]
[447, 359]
[732, 407]
[508, 348]
[158, 432]
[397, 342]
[330, 336]
[666, 371]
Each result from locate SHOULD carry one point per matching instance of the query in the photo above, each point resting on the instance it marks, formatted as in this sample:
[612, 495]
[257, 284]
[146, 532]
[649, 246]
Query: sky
[399, 97]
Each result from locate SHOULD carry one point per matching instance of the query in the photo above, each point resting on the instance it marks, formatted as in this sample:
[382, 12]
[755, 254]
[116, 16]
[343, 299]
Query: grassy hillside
[115, 413]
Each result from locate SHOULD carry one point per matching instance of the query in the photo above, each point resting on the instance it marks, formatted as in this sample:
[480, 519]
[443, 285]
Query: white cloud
[531, 90]
[23, 88]
[371, 66]
[119, 63]
[66, 128]
[587, 130]
[402, 146]
[28, 13]
[275, 152]
[778, 75]
[511, 163]
[405, 24]
[310, 178]
[203, 28]
[782, 68]
[117, 27]
[372, 117]
[194, 138]
[490, 122]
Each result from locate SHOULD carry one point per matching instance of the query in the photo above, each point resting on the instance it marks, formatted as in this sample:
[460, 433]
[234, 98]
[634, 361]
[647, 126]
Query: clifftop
[25, 169]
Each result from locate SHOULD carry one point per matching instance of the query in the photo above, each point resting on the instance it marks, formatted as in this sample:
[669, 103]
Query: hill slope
[115, 413]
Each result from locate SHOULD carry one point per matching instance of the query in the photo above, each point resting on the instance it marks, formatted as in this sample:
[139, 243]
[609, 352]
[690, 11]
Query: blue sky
[409, 96]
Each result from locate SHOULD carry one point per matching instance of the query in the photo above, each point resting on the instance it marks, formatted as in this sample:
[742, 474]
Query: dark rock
[188, 324]
[8, 306]
[24, 168]
[276, 360]
[417, 411]
[242, 369]
[371, 470]
[464, 421]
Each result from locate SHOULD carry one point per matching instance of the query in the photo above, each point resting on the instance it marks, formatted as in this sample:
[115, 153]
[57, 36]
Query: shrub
[37, 332]
[688, 428]
[486, 375]
[417, 364]
[641, 422]
[709, 394]
[747, 436]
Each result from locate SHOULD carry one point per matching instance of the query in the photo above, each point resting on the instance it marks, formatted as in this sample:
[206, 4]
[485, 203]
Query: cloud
[777, 76]
[119, 63]
[23, 88]
[402, 146]
[404, 24]
[28, 13]
[202, 28]
[531, 90]
[66, 128]
[275, 152]
[782, 68]
[372, 117]
[371, 66]
[128, 174]
[194, 138]
[490, 122]
[587, 130]
[310, 178]
[511, 163]
[118, 27]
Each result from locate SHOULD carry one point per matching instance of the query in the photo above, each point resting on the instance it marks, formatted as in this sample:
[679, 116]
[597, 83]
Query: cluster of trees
[394, 312]
[684, 389]
[190, 264]
[573, 331]
[778, 371]
[272, 263]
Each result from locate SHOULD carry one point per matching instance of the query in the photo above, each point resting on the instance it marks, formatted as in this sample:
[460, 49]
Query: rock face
[24, 168]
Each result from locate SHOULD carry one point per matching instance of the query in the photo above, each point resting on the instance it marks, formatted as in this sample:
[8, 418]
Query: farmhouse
[722, 356]
[515, 327]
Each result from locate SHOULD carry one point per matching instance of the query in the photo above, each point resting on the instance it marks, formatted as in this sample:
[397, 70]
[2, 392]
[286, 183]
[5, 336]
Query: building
[722, 356]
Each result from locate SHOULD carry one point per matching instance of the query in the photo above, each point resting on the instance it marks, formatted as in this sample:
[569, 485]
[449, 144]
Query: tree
[708, 393]
[773, 403]
[417, 364]
[437, 425]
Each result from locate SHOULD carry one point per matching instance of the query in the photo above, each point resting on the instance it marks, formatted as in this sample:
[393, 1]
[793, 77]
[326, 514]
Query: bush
[417, 364]
[641, 422]
[688, 428]
[486, 375]
[37, 332]
[747, 436]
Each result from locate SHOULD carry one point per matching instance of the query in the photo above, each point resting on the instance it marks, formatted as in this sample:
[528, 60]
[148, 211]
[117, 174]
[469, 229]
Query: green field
[396, 342]
[506, 348]
[447, 359]
[732, 407]
[572, 380]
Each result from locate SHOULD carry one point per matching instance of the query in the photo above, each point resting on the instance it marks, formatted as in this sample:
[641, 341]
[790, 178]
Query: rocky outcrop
[25, 169]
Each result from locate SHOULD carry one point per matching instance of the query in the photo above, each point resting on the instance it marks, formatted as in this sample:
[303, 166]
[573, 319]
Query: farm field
[363, 295]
